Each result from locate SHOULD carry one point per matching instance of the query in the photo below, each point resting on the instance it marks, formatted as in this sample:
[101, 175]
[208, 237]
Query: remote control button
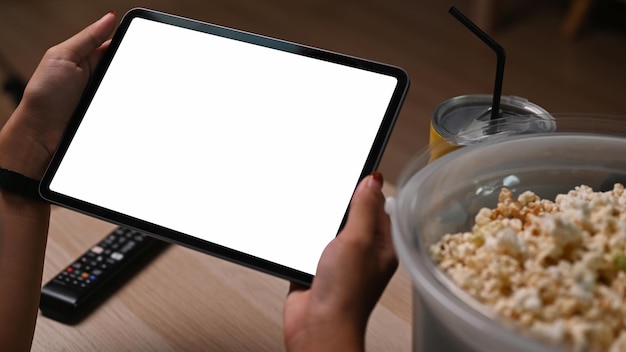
[97, 249]
[117, 256]
[128, 247]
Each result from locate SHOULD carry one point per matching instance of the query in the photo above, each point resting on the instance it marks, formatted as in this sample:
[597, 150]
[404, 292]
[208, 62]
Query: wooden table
[189, 301]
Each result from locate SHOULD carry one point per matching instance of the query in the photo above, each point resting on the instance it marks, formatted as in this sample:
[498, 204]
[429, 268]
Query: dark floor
[587, 74]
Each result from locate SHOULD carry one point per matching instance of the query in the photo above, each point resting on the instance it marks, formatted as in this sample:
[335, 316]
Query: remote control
[95, 275]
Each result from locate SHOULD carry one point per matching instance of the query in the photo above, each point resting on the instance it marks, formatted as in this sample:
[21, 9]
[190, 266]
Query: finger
[89, 39]
[96, 56]
[366, 207]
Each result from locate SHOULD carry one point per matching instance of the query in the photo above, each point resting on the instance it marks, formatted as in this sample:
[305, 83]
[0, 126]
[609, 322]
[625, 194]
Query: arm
[351, 276]
[27, 142]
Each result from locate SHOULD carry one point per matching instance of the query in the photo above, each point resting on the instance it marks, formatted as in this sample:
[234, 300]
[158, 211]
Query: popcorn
[556, 268]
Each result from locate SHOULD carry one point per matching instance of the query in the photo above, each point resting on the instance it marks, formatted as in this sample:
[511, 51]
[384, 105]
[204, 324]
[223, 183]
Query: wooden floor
[442, 58]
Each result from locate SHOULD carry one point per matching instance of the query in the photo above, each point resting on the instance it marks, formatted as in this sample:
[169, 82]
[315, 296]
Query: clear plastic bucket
[443, 196]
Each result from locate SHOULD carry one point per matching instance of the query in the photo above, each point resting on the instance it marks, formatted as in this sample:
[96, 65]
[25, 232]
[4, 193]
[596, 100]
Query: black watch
[17, 183]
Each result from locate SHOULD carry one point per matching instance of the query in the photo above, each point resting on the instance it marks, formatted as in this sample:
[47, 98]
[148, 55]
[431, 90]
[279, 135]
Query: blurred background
[564, 55]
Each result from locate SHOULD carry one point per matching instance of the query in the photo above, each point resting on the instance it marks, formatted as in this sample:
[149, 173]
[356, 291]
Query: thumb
[86, 41]
[367, 215]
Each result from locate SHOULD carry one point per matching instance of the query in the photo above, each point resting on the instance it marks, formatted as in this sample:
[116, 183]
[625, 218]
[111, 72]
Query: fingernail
[112, 12]
[106, 15]
[376, 181]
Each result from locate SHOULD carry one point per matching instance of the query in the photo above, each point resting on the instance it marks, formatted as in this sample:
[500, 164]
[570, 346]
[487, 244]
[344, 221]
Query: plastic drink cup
[466, 120]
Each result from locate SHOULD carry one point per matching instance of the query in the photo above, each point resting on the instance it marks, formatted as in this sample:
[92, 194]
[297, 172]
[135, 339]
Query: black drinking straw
[500, 53]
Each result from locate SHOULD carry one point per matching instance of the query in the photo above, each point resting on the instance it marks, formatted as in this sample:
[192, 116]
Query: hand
[31, 135]
[351, 276]
[27, 142]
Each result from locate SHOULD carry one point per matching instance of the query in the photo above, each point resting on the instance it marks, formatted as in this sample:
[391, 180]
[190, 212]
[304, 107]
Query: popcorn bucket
[436, 197]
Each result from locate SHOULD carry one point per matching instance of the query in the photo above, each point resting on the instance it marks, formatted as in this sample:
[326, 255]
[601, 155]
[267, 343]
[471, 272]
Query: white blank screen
[244, 146]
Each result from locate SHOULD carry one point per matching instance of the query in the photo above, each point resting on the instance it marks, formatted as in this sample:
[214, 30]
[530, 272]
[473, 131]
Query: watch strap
[17, 183]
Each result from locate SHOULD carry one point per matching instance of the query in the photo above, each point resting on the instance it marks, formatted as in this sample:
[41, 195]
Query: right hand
[352, 274]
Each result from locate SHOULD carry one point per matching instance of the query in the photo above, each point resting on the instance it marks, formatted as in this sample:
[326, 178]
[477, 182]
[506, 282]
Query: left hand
[27, 142]
[51, 96]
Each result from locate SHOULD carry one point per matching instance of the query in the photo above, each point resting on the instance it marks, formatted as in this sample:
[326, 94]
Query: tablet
[234, 144]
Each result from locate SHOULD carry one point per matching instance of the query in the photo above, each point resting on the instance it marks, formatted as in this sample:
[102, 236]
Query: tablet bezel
[169, 235]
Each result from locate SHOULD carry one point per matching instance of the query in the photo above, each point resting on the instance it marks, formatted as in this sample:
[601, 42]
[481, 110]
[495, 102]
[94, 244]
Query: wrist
[327, 337]
[20, 152]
